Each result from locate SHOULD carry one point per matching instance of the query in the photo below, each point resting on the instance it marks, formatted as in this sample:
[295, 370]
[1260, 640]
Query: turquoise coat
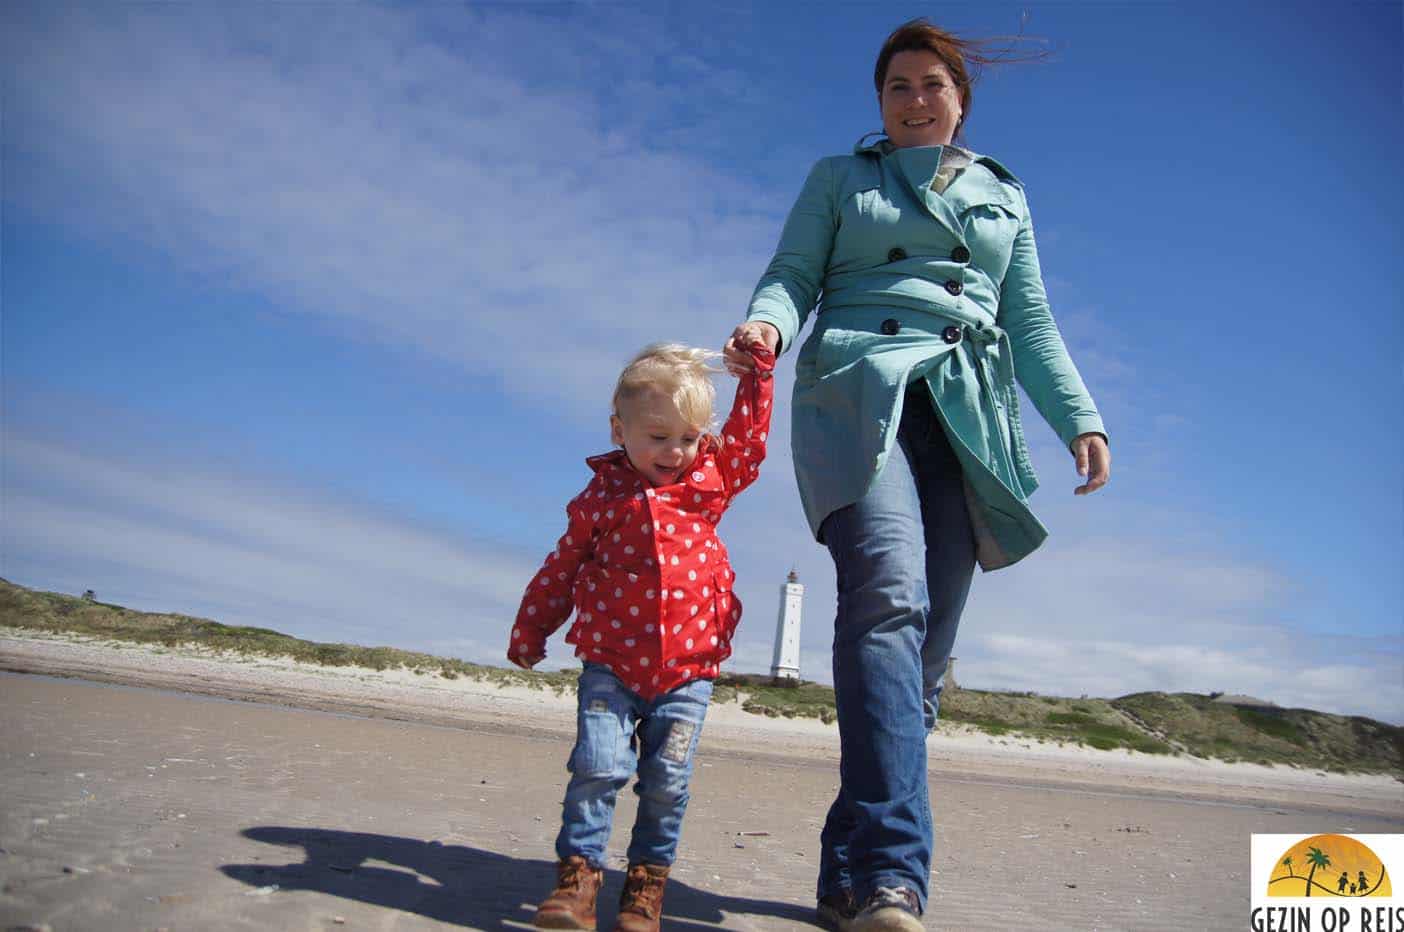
[944, 288]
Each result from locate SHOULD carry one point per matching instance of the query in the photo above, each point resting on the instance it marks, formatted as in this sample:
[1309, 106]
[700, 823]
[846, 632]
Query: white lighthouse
[787, 631]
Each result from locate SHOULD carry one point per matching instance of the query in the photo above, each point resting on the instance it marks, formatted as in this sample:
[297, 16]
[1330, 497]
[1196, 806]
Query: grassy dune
[1155, 723]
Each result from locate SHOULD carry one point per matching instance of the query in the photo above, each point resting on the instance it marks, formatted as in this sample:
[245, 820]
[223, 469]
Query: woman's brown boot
[572, 904]
[641, 904]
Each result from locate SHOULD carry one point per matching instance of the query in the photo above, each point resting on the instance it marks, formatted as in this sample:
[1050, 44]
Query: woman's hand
[1093, 461]
[738, 361]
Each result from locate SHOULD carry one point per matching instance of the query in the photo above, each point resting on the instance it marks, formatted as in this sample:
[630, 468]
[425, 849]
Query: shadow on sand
[460, 885]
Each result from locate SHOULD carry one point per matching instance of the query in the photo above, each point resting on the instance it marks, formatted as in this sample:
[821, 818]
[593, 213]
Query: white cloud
[403, 185]
[252, 551]
[1273, 671]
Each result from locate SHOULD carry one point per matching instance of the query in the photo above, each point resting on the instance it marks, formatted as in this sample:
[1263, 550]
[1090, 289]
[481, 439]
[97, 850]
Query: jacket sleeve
[790, 287]
[1041, 361]
[747, 427]
[547, 602]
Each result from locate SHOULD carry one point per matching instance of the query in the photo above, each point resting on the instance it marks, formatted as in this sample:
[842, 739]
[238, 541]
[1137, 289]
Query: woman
[906, 432]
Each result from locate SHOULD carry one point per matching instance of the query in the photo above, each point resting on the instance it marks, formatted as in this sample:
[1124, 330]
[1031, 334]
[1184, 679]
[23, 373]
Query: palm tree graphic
[1287, 863]
[1316, 858]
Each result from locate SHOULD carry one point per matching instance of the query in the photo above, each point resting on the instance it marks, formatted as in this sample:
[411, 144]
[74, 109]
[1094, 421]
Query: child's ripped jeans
[618, 734]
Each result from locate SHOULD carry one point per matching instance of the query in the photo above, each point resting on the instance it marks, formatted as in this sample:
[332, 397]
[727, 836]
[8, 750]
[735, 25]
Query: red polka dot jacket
[643, 568]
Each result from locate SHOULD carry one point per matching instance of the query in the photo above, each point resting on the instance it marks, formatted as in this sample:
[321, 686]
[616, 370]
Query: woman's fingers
[1093, 461]
[738, 359]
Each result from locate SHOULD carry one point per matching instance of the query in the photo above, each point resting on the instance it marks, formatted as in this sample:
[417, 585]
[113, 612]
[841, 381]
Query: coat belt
[994, 364]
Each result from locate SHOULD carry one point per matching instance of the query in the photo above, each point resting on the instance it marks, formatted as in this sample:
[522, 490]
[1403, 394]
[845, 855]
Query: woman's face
[920, 103]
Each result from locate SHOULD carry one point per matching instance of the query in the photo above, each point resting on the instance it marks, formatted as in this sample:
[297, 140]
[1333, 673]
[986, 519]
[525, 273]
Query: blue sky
[311, 312]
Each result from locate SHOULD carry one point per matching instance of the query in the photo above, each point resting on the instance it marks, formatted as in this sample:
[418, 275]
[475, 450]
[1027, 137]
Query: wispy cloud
[368, 167]
[247, 550]
[1273, 671]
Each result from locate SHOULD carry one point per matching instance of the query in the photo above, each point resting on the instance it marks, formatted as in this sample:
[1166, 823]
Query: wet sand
[364, 802]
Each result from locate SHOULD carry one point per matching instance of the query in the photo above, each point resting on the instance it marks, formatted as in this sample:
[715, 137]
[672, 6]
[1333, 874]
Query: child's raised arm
[547, 602]
[743, 437]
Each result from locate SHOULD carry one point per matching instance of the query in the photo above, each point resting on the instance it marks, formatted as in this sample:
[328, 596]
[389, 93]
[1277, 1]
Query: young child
[650, 584]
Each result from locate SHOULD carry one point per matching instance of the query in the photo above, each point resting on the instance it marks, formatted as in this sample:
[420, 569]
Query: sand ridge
[463, 702]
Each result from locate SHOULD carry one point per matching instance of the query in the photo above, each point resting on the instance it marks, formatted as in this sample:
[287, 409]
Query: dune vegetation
[1152, 722]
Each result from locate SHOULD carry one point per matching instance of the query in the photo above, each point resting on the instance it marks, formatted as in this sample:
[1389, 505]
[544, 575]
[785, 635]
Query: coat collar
[883, 146]
[615, 466]
[986, 181]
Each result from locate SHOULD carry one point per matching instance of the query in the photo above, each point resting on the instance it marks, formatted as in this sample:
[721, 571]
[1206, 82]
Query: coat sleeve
[790, 287]
[747, 427]
[548, 602]
[1041, 361]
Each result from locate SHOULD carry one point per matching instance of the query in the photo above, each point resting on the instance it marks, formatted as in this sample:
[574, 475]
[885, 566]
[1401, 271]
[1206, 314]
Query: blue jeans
[904, 556]
[618, 734]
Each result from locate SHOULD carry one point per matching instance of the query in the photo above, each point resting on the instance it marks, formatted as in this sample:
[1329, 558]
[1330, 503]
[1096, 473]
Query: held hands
[1093, 461]
[738, 361]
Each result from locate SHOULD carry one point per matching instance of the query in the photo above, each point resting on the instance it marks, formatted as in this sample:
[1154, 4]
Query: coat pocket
[599, 733]
[728, 612]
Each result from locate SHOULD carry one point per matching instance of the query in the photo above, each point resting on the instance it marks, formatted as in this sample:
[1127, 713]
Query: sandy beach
[152, 788]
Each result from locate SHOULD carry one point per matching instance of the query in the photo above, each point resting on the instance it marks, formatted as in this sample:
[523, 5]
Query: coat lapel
[917, 167]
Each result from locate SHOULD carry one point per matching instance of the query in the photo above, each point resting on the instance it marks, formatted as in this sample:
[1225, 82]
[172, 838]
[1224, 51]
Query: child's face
[659, 441]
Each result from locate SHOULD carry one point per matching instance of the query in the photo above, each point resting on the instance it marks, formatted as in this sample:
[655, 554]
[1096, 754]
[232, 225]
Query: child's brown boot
[572, 904]
[641, 904]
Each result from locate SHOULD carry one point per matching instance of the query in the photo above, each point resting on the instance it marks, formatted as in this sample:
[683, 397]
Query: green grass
[1152, 723]
[1272, 725]
[49, 611]
[803, 700]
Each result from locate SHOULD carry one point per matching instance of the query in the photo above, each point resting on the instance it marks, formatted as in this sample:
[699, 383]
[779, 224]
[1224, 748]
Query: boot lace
[885, 897]
[572, 877]
[642, 892]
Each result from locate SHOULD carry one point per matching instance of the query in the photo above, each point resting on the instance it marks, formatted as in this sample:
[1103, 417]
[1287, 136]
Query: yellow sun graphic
[1328, 865]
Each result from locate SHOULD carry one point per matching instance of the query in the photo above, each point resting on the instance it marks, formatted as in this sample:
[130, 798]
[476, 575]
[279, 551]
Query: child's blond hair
[682, 373]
